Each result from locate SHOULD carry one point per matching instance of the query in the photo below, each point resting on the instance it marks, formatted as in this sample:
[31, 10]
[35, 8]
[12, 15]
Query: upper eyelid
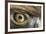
[25, 11]
[22, 11]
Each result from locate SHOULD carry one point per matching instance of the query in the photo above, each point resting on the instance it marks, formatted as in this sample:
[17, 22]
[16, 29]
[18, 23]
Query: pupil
[20, 17]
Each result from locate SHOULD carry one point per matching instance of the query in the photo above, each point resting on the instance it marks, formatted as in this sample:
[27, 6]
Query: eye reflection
[24, 16]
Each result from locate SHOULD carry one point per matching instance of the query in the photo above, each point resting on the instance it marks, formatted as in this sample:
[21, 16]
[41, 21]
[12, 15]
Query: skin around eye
[20, 19]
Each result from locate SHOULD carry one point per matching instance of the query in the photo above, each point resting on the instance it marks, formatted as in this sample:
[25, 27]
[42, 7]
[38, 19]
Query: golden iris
[19, 18]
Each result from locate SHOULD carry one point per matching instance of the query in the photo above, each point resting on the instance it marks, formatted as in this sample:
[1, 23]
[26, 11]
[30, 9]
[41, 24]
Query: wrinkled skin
[31, 16]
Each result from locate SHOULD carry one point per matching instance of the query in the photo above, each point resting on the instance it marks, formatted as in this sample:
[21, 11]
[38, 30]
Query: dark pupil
[20, 17]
